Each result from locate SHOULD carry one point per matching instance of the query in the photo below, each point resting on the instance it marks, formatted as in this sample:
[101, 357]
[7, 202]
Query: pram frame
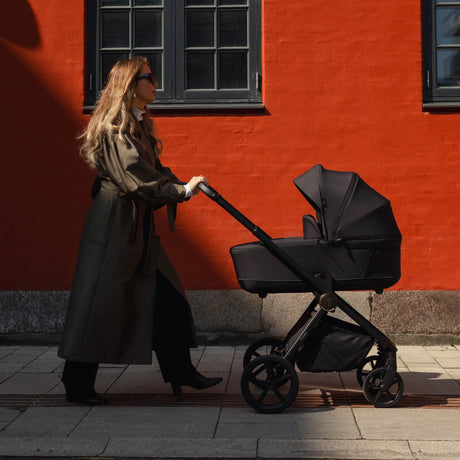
[304, 326]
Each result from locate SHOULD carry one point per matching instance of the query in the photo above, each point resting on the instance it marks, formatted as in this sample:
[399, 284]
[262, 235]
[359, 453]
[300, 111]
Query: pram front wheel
[261, 347]
[269, 384]
[376, 394]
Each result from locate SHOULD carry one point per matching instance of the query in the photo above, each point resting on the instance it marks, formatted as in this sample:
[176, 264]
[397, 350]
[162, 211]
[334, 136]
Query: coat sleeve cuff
[188, 191]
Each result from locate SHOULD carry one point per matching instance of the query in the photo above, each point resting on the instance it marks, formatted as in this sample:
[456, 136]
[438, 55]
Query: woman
[126, 297]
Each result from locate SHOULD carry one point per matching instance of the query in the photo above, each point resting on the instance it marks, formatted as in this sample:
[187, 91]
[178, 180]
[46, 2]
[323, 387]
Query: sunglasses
[149, 77]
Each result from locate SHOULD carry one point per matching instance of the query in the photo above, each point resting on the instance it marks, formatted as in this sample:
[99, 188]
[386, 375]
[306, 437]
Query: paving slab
[454, 373]
[216, 359]
[50, 447]
[145, 422]
[10, 368]
[26, 383]
[326, 423]
[46, 422]
[6, 350]
[333, 449]
[436, 449]
[46, 362]
[323, 381]
[7, 416]
[429, 382]
[4, 376]
[233, 386]
[137, 379]
[449, 363]
[408, 424]
[181, 448]
[24, 354]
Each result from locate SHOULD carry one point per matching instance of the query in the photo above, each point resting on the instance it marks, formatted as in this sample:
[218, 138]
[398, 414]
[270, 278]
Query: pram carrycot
[354, 244]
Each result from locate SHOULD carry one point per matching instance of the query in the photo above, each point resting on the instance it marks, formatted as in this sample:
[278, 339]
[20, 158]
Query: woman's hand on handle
[194, 181]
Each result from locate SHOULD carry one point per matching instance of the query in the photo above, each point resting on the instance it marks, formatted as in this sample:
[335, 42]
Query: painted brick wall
[342, 86]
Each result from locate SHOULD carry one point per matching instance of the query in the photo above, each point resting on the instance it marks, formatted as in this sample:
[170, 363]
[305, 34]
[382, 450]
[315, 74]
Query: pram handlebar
[207, 190]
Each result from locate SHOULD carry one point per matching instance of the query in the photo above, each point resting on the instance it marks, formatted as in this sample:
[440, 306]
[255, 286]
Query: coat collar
[138, 113]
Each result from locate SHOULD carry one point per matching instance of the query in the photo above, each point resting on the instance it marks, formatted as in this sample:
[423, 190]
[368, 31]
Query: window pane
[448, 26]
[448, 67]
[199, 28]
[232, 27]
[200, 70]
[155, 59]
[115, 3]
[147, 28]
[115, 29]
[233, 70]
[199, 2]
[232, 2]
[148, 2]
[107, 62]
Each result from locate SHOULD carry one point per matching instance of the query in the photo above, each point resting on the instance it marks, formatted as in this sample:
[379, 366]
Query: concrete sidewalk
[329, 419]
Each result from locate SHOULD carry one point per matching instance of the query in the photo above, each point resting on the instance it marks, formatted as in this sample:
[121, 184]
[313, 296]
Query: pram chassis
[376, 383]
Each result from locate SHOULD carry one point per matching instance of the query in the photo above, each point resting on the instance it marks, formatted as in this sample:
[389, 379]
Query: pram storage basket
[334, 345]
[355, 241]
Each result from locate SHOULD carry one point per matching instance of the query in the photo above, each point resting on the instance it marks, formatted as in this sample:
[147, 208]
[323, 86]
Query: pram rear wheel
[263, 346]
[269, 384]
[368, 365]
[374, 392]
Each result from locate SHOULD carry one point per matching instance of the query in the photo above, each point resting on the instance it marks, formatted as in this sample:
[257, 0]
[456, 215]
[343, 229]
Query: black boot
[78, 379]
[194, 380]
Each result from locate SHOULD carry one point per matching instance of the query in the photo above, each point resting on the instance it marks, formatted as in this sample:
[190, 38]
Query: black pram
[352, 244]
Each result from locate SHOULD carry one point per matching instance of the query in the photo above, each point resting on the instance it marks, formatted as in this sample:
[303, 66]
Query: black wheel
[269, 384]
[368, 365]
[373, 392]
[264, 346]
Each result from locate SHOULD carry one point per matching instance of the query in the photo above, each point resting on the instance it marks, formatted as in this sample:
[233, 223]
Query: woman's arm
[132, 173]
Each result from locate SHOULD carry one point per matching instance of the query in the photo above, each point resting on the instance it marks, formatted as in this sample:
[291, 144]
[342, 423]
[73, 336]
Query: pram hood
[346, 206]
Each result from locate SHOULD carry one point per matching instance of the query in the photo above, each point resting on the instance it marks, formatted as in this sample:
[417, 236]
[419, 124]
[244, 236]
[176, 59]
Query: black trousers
[171, 334]
[79, 378]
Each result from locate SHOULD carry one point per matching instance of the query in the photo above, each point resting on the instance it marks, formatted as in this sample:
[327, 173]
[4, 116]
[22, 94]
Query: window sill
[201, 109]
[441, 106]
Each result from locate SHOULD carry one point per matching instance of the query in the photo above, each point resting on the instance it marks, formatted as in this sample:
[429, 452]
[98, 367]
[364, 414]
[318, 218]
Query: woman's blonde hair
[114, 112]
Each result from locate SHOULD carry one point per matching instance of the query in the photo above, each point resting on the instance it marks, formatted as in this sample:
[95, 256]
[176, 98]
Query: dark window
[441, 52]
[202, 52]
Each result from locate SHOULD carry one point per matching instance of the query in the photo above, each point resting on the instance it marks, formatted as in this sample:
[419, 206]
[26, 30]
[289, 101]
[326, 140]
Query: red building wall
[342, 87]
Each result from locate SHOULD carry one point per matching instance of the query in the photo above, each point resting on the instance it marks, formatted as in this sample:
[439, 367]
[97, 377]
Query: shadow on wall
[24, 32]
[45, 186]
[191, 256]
[41, 175]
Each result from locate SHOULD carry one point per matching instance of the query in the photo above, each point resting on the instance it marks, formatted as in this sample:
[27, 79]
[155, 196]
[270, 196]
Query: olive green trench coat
[111, 308]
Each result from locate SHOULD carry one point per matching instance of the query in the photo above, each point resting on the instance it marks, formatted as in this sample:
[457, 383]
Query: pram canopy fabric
[346, 207]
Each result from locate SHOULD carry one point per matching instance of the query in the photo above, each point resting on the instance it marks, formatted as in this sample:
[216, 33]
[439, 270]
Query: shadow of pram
[334, 389]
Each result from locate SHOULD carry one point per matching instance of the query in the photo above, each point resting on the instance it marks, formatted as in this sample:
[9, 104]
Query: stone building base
[235, 316]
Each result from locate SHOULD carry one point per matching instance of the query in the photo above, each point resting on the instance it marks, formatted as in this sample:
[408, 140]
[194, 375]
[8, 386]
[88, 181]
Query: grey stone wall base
[237, 317]
[226, 311]
[417, 312]
[32, 311]
[425, 339]
[235, 339]
[27, 338]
